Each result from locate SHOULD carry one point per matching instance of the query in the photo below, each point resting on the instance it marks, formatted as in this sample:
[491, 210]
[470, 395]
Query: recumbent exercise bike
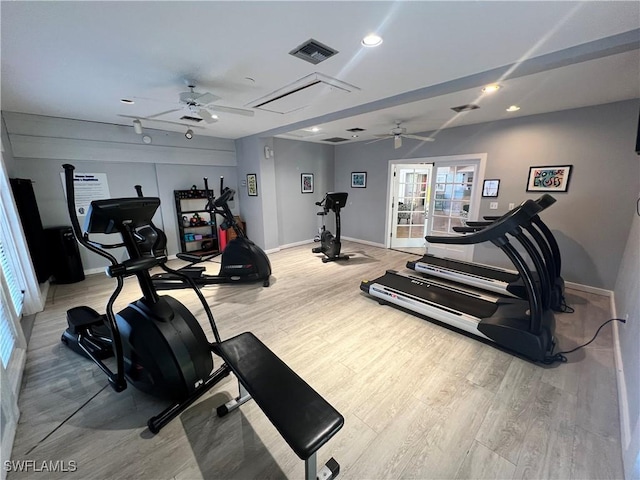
[161, 349]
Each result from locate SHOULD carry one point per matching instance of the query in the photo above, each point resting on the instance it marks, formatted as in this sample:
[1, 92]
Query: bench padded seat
[304, 419]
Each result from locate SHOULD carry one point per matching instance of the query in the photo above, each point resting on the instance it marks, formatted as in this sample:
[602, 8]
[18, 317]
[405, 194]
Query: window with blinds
[11, 298]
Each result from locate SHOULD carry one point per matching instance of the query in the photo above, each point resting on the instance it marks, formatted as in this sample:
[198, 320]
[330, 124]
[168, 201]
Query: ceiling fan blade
[397, 141]
[206, 116]
[188, 125]
[162, 121]
[162, 113]
[376, 140]
[204, 98]
[232, 110]
[418, 137]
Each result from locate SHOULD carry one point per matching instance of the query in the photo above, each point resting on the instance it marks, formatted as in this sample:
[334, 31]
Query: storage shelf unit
[199, 236]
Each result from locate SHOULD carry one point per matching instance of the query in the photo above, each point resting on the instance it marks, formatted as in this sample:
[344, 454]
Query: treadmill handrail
[505, 224]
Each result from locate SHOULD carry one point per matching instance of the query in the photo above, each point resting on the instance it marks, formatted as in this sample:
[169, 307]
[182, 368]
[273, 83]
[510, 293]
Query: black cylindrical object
[32, 226]
[64, 255]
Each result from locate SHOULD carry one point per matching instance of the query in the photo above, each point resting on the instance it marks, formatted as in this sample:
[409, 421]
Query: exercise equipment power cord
[560, 356]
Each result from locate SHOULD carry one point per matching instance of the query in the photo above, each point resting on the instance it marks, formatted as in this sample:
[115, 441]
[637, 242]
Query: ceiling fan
[199, 107]
[398, 133]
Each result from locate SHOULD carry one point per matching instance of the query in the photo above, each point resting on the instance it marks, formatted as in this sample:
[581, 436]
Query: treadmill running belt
[477, 270]
[443, 297]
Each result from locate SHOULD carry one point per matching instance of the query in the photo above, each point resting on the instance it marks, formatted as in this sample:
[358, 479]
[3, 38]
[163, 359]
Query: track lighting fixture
[137, 126]
[189, 134]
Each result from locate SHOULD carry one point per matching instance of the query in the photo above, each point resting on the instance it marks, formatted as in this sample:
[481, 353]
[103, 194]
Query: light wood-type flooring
[419, 401]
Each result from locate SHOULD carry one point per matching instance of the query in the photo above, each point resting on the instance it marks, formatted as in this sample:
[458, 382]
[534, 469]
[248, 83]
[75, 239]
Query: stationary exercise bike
[330, 245]
[242, 260]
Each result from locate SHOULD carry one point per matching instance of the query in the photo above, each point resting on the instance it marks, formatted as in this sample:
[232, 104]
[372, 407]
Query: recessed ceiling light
[127, 101]
[513, 108]
[371, 40]
[491, 88]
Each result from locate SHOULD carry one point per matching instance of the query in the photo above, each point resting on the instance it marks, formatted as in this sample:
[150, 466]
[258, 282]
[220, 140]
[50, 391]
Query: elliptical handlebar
[117, 378]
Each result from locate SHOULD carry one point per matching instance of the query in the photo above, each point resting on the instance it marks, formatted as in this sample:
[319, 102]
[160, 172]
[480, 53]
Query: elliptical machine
[330, 245]
[159, 346]
[242, 260]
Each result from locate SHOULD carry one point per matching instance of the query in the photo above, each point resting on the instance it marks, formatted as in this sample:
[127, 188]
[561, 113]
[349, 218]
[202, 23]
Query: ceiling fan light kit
[137, 126]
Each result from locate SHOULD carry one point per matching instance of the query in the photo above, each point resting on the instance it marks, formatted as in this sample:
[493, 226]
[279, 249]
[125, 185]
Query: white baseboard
[589, 289]
[365, 242]
[294, 244]
[92, 271]
[273, 250]
[623, 402]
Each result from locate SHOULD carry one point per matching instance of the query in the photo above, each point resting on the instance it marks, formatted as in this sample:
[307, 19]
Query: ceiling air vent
[191, 119]
[355, 130]
[465, 108]
[313, 51]
[336, 139]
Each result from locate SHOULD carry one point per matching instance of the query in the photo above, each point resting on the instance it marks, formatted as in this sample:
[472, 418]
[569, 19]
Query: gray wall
[627, 298]
[7, 155]
[42, 144]
[590, 221]
[297, 219]
[258, 211]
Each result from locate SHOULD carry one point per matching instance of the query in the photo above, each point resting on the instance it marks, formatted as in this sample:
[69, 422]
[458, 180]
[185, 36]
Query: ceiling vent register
[190, 118]
[465, 108]
[313, 51]
[314, 88]
[336, 139]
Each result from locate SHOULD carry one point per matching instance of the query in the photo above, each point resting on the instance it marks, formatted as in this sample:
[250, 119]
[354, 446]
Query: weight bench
[304, 419]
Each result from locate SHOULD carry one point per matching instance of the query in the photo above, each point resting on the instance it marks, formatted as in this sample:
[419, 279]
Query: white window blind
[15, 292]
[8, 318]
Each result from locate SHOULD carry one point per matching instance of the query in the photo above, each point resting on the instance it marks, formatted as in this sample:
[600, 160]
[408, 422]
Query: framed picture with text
[553, 178]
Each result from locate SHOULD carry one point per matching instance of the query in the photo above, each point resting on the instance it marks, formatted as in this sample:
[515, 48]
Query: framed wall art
[306, 182]
[490, 188]
[252, 184]
[358, 179]
[554, 178]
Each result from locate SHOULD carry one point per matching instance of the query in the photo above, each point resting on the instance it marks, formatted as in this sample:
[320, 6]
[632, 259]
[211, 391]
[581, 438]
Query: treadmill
[524, 327]
[500, 280]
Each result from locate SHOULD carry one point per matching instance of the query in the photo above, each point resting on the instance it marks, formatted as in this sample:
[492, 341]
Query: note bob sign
[87, 187]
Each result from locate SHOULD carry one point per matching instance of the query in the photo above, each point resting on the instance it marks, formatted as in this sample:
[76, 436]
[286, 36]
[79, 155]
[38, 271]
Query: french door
[411, 206]
[431, 196]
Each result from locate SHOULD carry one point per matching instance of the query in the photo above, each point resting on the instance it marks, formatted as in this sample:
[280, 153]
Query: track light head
[189, 134]
[137, 126]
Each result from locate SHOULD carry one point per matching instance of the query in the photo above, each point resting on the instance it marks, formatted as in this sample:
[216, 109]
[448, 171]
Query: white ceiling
[78, 59]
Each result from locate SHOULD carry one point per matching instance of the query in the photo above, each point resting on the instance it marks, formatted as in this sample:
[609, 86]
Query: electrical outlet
[512, 206]
[493, 206]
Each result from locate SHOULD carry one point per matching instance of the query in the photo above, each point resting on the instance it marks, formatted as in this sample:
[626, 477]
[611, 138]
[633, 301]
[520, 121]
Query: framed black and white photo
[358, 179]
[306, 182]
[490, 188]
[252, 184]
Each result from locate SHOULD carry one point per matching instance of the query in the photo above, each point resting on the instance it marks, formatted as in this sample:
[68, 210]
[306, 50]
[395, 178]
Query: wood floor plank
[482, 463]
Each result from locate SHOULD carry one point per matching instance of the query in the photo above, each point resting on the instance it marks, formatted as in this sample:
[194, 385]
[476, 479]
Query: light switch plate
[512, 206]
[493, 206]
